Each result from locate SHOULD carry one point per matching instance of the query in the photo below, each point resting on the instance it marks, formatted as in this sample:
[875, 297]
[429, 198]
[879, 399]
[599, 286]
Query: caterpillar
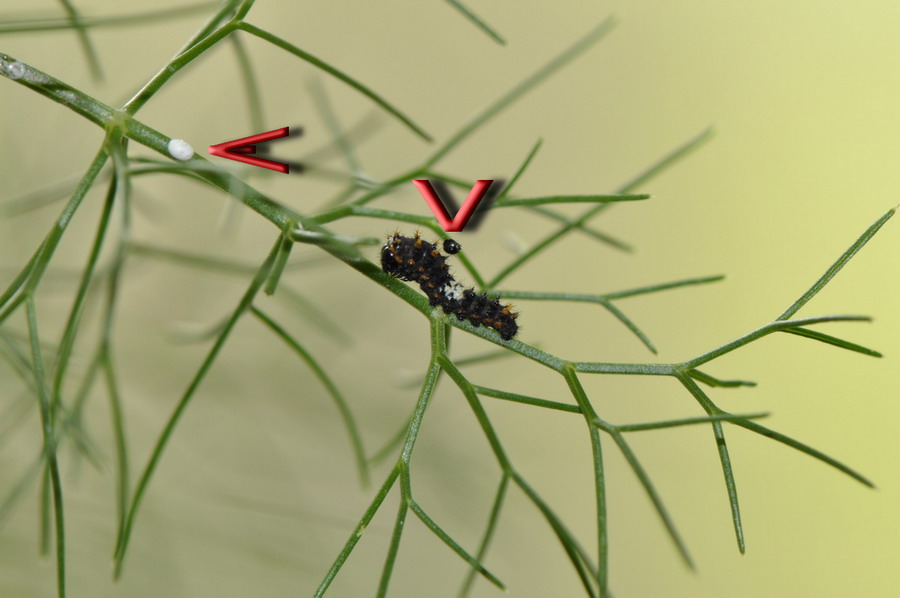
[415, 260]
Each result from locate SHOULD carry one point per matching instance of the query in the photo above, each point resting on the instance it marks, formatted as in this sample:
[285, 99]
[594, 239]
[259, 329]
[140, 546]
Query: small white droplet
[15, 70]
[180, 149]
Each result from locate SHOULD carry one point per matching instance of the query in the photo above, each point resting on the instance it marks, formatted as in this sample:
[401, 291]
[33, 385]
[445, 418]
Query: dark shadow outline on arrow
[448, 199]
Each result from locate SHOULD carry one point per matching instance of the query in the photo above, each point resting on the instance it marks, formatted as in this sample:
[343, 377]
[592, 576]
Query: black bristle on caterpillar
[415, 260]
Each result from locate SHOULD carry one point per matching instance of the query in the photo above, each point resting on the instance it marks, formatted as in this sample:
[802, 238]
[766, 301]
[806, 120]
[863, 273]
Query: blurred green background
[257, 491]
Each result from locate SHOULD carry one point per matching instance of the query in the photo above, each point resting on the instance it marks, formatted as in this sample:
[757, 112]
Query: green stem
[599, 480]
[245, 303]
[358, 531]
[391, 557]
[68, 337]
[50, 445]
[193, 52]
[302, 54]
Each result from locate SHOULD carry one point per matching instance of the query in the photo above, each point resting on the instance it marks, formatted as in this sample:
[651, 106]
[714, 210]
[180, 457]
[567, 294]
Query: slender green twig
[118, 424]
[86, 45]
[553, 199]
[836, 266]
[489, 530]
[587, 410]
[50, 445]
[577, 555]
[592, 37]
[302, 54]
[473, 562]
[476, 20]
[724, 457]
[71, 328]
[330, 386]
[391, 557]
[125, 530]
[358, 531]
[688, 421]
[85, 22]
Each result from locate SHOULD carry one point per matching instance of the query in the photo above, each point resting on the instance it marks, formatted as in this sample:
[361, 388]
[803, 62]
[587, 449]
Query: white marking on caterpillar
[180, 149]
[454, 291]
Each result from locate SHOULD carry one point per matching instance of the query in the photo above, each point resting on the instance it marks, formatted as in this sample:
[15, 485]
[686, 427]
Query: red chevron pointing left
[240, 150]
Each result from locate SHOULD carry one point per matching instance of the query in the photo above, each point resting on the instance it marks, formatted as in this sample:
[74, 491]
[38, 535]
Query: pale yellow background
[257, 490]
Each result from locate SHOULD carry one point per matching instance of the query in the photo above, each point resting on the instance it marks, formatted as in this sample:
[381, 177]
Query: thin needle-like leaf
[339, 138]
[712, 381]
[71, 328]
[178, 257]
[605, 297]
[13, 415]
[836, 266]
[580, 226]
[689, 421]
[26, 480]
[519, 90]
[520, 171]
[142, 18]
[476, 20]
[620, 315]
[526, 400]
[482, 358]
[832, 340]
[284, 252]
[628, 187]
[775, 326]
[590, 416]
[250, 84]
[328, 383]
[667, 161]
[302, 54]
[454, 545]
[488, 534]
[390, 446]
[86, 45]
[665, 286]
[468, 391]
[30, 276]
[37, 199]
[391, 557]
[724, 456]
[18, 361]
[357, 532]
[50, 445]
[598, 299]
[118, 425]
[577, 555]
[803, 448]
[553, 199]
[644, 479]
[245, 303]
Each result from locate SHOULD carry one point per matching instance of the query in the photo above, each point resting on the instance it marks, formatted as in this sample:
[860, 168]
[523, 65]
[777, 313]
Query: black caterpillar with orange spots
[415, 260]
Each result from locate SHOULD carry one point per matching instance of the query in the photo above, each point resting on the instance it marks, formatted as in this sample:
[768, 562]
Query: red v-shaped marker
[479, 189]
[240, 150]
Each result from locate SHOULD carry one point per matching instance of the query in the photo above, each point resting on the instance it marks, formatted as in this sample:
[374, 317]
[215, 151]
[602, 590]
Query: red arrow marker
[479, 189]
[240, 150]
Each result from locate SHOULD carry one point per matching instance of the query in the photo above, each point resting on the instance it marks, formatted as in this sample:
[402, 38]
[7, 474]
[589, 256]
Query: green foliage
[46, 370]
